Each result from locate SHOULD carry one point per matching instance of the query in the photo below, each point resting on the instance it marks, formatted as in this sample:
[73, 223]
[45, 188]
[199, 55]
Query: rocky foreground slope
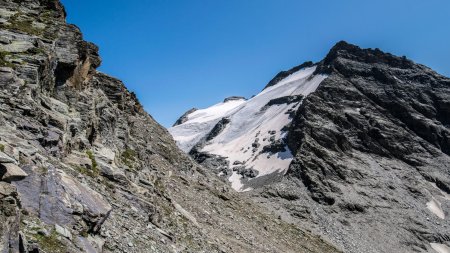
[83, 168]
[368, 150]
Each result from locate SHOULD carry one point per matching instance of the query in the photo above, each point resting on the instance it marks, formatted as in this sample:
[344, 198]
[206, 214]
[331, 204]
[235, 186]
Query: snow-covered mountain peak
[244, 139]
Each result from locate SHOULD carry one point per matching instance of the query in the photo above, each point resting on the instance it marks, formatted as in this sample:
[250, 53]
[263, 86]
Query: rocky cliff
[369, 151]
[83, 168]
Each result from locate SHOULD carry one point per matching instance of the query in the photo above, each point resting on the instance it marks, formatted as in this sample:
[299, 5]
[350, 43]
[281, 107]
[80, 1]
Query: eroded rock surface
[96, 173]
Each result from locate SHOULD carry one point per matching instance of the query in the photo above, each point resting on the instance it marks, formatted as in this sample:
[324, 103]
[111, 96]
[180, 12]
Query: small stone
[43, 231]
[63, 231]
[77, 208]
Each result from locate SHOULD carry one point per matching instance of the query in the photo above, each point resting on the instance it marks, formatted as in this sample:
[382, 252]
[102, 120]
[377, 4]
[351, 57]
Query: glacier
[254, 126]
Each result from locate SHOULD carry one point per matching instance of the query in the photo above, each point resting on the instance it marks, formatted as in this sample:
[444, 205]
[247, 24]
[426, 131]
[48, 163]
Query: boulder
[10, 172]
[63, 231]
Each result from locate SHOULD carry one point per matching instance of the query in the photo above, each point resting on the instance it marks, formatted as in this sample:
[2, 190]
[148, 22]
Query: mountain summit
[355, 147]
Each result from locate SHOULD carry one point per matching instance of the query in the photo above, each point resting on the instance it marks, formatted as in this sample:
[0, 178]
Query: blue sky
[180, 54]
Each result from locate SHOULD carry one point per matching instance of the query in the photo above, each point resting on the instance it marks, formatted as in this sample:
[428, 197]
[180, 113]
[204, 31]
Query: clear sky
[180, 54]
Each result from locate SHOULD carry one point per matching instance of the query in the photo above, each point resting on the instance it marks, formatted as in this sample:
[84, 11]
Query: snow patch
[201, 122]
[435, 207]
[236, 182]
[440, 248]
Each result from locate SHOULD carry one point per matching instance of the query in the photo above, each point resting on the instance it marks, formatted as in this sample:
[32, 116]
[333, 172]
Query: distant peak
[232, 98]
[344, 45]
[184, 117]
[345, 50]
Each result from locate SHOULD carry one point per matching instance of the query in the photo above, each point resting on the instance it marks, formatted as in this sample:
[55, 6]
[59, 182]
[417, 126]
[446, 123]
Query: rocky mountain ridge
[83, 168]
[369, 146]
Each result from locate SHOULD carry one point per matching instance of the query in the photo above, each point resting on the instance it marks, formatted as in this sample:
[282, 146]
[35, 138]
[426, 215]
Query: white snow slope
[250, 122]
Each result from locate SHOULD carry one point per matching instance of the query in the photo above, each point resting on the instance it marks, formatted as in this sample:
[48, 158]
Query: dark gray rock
[371, 153]
[284, 100]
[232, 98]
[274, 147]
[217, 129]
[246, 172]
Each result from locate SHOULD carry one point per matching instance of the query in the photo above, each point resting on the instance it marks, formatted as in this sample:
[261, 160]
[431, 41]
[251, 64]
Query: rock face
[371, 155]
[371, 151]
[370, 147]
[95, 172]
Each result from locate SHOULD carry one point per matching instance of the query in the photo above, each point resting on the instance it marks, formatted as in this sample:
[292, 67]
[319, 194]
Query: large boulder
[10, 172]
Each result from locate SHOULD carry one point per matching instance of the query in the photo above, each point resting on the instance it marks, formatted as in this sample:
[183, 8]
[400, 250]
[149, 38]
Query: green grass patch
[43, 170]
[3, 61]
[84, 233]
[36, 50]
[129, 157]
[87, 171]
[25, 26]
[51, 243]
[47, 16]
[21, 23]
[2, 147]
[94, 171]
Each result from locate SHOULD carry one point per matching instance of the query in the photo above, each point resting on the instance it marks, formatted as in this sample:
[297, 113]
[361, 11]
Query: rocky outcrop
[233, 98]
[97, 173]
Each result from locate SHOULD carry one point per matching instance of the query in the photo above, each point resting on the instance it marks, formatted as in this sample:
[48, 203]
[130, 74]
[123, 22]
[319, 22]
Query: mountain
[83, 168]
[355, 147]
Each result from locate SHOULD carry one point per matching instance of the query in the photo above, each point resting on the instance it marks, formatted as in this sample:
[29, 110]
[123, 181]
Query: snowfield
[253, 125]
[200, 123]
